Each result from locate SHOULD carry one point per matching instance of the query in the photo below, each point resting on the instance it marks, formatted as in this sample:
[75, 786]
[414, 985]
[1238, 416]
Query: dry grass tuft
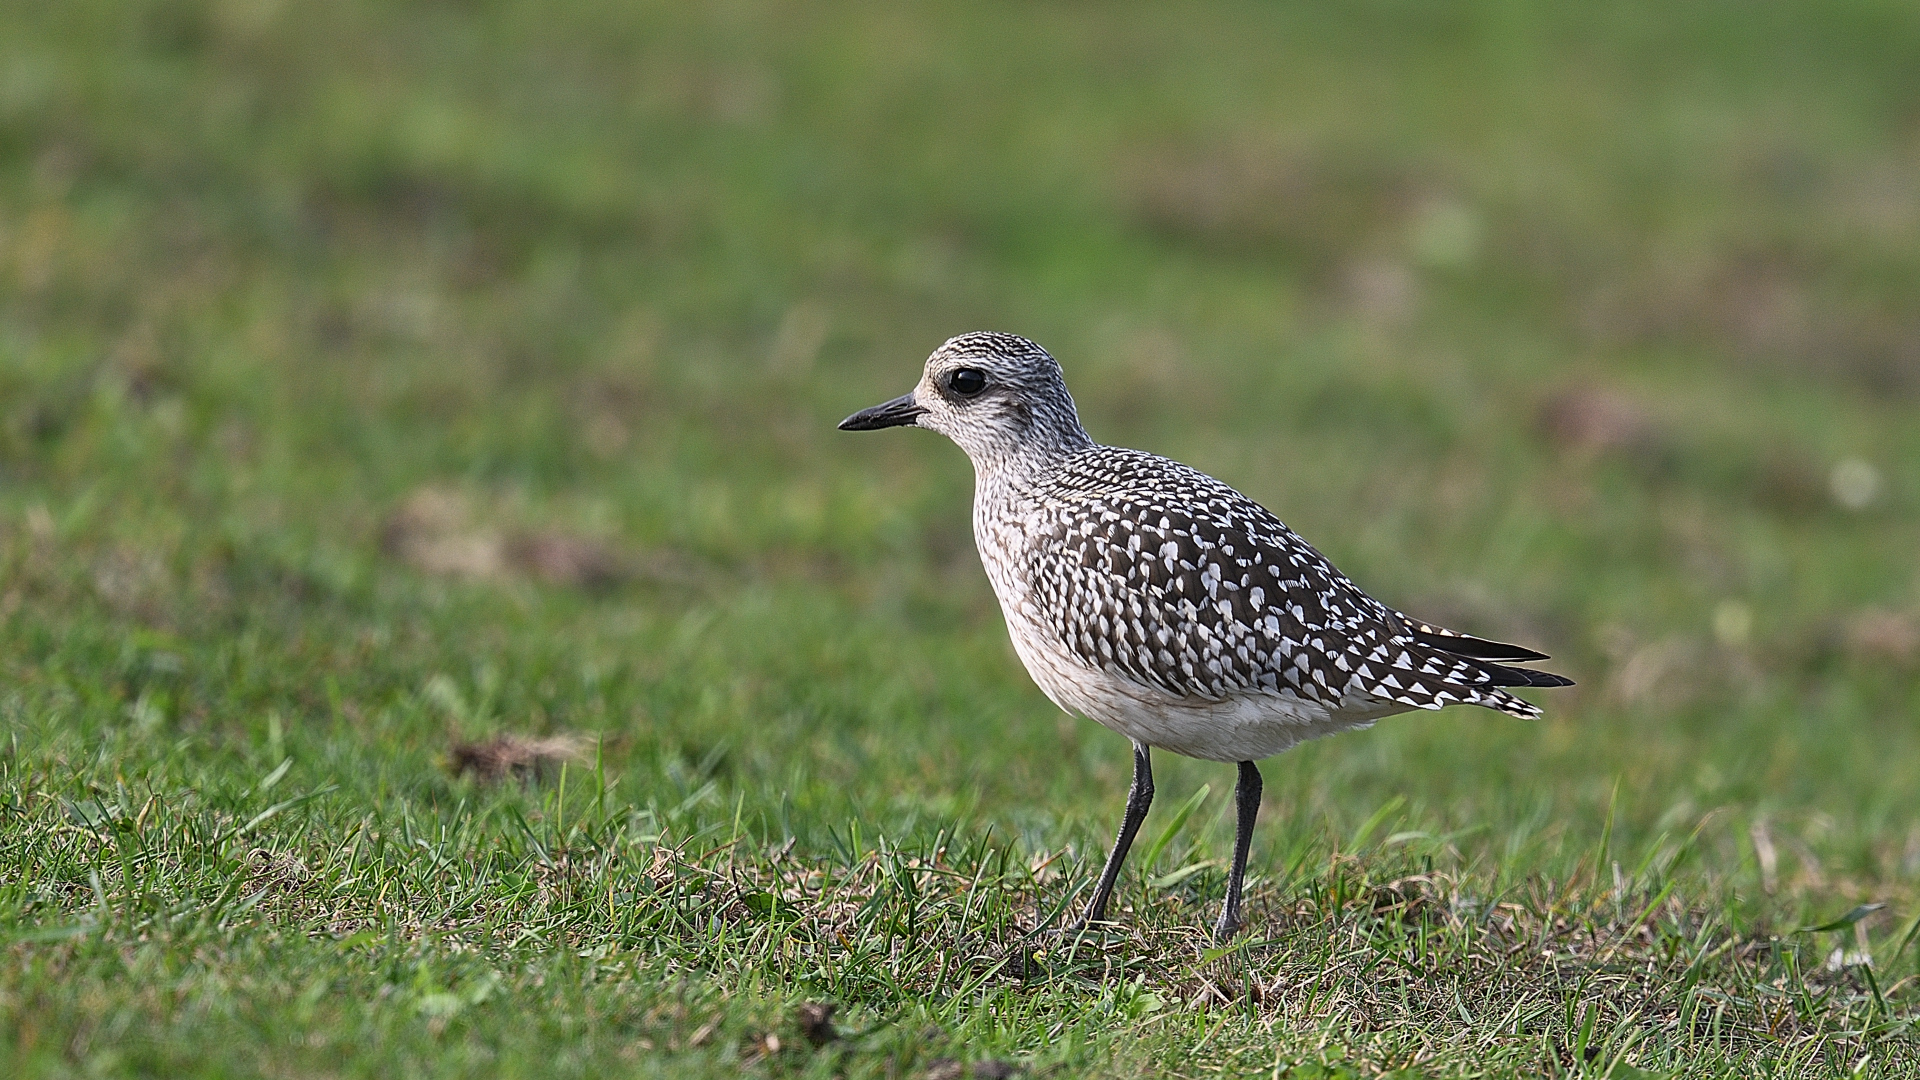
[431, 532]
[436, 531]
[1588, 422]
[1880, 636]
[562, 559]
[517, 756]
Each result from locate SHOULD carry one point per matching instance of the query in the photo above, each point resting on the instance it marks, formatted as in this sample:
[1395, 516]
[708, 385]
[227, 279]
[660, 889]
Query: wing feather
[1153, 571]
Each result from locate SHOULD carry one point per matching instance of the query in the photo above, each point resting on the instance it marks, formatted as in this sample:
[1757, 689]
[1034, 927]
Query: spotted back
[1155, 572]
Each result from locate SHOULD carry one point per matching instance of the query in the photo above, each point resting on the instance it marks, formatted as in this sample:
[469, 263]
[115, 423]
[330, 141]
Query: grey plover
[1167, 606]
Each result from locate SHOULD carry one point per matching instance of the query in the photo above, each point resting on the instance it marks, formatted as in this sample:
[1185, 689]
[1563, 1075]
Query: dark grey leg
[1139, 797]
[1246, 800]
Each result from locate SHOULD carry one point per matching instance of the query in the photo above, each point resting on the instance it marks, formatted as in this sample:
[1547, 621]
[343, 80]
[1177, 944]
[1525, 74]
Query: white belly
[1241, 728]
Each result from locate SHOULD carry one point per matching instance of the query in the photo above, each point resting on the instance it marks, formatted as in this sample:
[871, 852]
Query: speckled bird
[1165, 605]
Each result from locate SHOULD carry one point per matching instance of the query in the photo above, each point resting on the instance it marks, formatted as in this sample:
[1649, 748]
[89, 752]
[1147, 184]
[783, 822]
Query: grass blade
[1173, 828]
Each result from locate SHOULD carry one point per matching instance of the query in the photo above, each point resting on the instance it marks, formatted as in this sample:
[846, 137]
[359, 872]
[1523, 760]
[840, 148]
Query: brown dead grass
[519, 757]
[440, 532]
[1882, 636]
[1587, 422]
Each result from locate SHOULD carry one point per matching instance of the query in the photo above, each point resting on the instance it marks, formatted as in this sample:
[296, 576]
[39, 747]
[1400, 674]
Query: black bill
[896, 413]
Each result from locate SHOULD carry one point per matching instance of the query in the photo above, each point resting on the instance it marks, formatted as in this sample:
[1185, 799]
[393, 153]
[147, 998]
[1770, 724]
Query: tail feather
[1513, 676]
[1478, 655]
[1507, 703]
[1452, 641]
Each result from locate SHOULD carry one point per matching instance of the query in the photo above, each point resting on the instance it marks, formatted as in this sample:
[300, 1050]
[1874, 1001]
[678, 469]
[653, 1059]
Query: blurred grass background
[374, 375]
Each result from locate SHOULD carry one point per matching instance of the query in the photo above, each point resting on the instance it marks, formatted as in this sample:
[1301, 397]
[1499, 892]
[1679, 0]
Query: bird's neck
[1003, 472]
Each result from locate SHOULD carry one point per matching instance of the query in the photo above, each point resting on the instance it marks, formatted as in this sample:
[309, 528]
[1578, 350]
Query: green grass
[376, 379]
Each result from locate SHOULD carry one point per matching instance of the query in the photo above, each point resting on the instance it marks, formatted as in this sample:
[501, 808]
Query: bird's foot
[1224, 930]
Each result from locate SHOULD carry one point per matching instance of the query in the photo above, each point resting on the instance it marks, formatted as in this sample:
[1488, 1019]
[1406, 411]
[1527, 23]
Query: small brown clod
[815, 1021]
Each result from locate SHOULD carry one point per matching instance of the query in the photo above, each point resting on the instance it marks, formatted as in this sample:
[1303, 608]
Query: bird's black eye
[967, 381]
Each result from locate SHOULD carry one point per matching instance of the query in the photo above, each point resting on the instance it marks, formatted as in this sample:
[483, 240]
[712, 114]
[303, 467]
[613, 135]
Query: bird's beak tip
[899, 412]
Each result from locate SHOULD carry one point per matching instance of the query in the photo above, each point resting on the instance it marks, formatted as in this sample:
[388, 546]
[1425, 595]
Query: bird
[1161, 603]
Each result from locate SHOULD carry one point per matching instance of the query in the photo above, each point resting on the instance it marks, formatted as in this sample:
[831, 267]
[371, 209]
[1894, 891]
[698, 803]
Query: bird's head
[999, 396]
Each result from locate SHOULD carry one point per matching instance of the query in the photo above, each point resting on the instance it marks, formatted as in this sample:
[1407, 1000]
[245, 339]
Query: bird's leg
[1246, 800]
[1139, 797]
